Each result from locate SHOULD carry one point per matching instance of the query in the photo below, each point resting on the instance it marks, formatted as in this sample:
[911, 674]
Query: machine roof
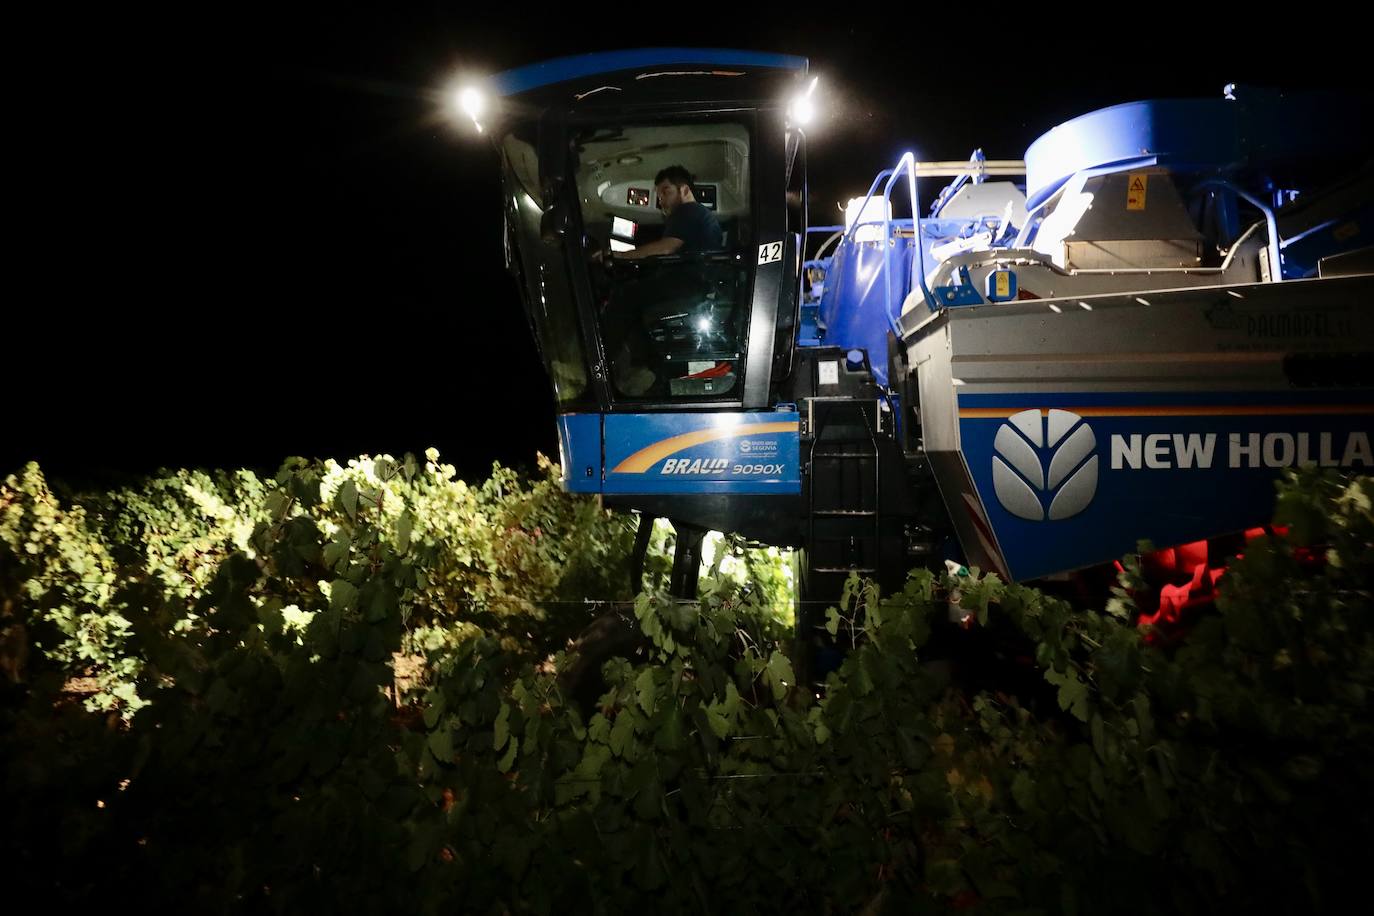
[562, 69]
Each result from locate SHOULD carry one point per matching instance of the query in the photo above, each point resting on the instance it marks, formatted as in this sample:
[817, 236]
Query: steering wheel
[596, 251]
[621, 267]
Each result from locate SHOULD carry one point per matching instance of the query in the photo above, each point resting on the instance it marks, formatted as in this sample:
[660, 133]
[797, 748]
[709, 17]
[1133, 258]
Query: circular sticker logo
[1044, 460]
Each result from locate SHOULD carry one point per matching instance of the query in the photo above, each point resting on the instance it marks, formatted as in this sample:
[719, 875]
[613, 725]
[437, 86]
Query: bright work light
[471, 102]
[802, 110]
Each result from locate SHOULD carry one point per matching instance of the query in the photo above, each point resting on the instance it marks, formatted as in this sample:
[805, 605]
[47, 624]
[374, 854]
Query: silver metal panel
[987, 199]
[930, 360]
[1163, 215]
[1220, 339]
[966, 513]
[1360, 261]
[1038, 277]
[1132, 254]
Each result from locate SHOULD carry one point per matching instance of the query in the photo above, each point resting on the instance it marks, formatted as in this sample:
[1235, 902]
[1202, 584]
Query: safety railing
[1275, 243]
[818, 261]
[888, 178]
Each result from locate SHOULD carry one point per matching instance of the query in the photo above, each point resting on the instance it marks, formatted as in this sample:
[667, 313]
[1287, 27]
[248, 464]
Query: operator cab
[673, 324]
[583, 142]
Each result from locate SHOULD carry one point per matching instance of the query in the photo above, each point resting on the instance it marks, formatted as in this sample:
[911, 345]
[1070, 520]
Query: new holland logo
[1023, 483]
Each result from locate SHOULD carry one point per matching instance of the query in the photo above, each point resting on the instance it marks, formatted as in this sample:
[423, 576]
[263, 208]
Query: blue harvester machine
[1123, 336]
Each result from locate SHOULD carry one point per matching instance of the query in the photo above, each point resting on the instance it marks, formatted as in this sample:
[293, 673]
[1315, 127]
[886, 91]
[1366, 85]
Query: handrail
[1275, 264]
[837, 232]
[912, 169]
[907, 163]
[849, 233]
[891, 176]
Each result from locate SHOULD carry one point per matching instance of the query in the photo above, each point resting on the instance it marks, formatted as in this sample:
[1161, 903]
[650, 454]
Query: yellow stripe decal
[647, 457]
[999, 413]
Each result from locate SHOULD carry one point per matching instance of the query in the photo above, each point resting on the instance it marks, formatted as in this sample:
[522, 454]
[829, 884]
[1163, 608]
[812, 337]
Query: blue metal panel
[852, 308]
[808, 329]
[563, 69]
[1170, 467]
[1346, 233]
[1180, 399]
[579, 442]
[1182, 134]
[963, 292]
[1261, 129]
[740, 453]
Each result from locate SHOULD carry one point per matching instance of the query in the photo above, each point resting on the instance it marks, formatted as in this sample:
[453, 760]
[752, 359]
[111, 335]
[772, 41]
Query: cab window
[673, 318]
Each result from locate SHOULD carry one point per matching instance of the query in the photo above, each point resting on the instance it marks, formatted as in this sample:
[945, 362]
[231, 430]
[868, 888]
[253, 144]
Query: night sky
[273, 240]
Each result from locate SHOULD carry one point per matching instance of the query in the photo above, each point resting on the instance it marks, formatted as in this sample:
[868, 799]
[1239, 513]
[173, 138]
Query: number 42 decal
[770, 252]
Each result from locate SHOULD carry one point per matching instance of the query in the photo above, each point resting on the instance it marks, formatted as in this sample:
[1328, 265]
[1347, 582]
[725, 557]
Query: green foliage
[275, 768]
[73, 573]
[516, 559]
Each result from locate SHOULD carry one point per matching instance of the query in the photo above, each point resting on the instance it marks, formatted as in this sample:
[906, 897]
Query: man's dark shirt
[696, 226]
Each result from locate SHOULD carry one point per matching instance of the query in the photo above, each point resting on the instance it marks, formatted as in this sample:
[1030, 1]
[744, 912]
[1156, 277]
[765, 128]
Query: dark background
[264, 236]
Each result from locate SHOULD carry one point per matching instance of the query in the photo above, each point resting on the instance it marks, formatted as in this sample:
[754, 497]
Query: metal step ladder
[843, 474]
[848, 501]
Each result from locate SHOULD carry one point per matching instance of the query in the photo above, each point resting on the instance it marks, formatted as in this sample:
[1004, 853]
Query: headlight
[802, 110]
[472, 102]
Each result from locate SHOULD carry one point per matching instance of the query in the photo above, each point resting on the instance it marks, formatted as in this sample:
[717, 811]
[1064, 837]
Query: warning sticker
[1001, 284]
[1135, 192]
